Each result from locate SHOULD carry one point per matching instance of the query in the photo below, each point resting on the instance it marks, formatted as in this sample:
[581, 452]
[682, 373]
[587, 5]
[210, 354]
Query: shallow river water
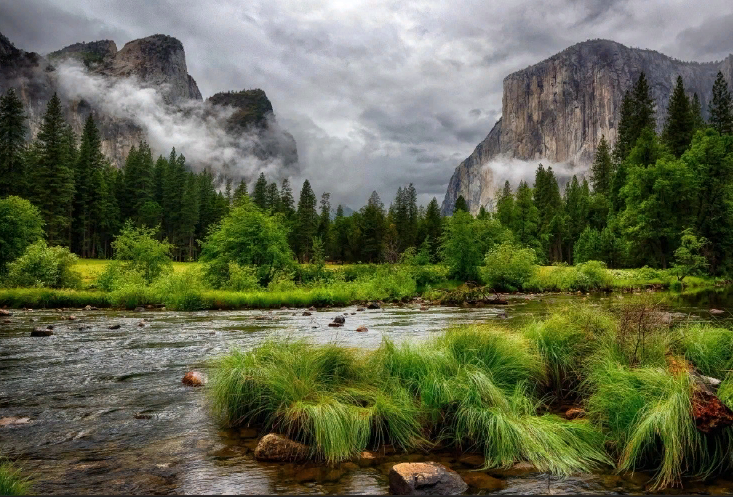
[109, 415]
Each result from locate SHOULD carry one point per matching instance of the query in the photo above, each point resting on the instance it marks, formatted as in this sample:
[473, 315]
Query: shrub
[509, 267]
[110, 277]
[142, 252]
[20, 226]
[249, 237]
[181, 291]
[44, 266]
[242, 278]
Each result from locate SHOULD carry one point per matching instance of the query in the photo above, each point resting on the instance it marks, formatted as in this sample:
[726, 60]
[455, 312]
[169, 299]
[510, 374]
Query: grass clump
[11, 481]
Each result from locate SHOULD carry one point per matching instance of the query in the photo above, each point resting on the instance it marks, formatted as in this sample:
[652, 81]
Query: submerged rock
[425, 478]
[139, 309]
[360, 309]
[482, 481]
[362, 328]
[312, 309]
[307, 313]
[274, 447]
[193, 379]
[373, 305]
[41, 332]
[115, 327]
[5, 312]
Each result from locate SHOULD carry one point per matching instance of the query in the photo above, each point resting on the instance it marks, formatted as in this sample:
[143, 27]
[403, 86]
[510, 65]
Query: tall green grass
[11, 481]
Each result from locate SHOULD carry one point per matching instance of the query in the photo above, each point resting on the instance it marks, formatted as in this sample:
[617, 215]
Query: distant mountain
[156, 62]
[558, 109]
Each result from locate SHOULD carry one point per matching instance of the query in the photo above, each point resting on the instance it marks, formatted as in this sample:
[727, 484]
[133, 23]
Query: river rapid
[109, 414]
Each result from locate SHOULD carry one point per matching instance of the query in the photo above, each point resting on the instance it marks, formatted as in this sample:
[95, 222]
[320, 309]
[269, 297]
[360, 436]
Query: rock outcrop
[157, 62]
[557, 110]
[424, 478]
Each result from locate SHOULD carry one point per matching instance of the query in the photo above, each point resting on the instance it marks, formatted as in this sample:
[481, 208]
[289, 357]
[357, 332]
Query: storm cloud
[377, 93]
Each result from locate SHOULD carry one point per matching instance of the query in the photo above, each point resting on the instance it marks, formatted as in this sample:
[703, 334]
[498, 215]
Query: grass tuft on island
[494, 389]
[11, 481]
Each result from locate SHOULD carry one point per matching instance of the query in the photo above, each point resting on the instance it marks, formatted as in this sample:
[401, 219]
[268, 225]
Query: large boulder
[274, 447]
[425, 478]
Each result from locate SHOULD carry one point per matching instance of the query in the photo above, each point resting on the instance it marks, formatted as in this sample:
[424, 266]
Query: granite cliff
[556, 111]
[156, 63]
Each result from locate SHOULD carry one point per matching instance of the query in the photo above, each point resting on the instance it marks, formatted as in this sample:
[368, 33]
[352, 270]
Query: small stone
[335, 325]
[716, 311]
[72, 318]
[307, 313]
[575, 413]
[88, 308]
[274, 447]
[149, 306]
[115, 327]
[41, 332]
[362, 328]
[283, 308]
[339, 319]
[312, 309]
[5, 312]
[374, 305]
[139, 309]
[353, 313]
[7, 321]
[360, 309]
[424, 308]
[142, 324]
[427, 478]
[193, 379]
[367, 458]
[140, 415]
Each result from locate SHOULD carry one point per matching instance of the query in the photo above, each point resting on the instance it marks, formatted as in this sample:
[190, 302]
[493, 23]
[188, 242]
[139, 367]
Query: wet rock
[373, 305]
[283, 308]
[339, 319]
[521, 468]
[425, 478]
[5, 312]
[424, 308]
[349, 466]
[575, 413]
[362, 328]
[367, 458]
[312, 309]
[142, 324]
[140, 415]
[90, 308]
[360, 309]
[248, 433]
[473, 460]
[139, 309]
[307, 313]
[335, 325]
[274, 447]
[115, 327]
[716, 311]
[13, 421]
[307, 474]
[193, 379]
[71, 318]
[41, 332]
[482, 481]
[710, 414]
[502, 315]
[32, 320]
[149, 306]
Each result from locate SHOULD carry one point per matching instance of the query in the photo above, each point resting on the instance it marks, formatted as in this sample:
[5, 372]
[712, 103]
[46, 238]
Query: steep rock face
[558, 109]
[157, 62]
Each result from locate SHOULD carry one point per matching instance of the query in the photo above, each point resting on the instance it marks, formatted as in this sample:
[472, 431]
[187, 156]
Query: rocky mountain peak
[556, 111]
[91, 54]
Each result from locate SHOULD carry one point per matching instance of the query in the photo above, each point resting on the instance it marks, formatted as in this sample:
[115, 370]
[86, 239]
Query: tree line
[631, 210]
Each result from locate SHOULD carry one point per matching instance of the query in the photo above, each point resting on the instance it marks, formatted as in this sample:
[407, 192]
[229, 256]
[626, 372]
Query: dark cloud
[377, 93]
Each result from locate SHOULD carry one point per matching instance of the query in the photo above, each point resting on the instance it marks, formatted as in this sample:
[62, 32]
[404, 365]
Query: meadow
[500, 391]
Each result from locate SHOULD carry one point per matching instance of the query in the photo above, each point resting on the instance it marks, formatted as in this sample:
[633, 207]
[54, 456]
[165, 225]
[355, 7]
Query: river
[109, 414]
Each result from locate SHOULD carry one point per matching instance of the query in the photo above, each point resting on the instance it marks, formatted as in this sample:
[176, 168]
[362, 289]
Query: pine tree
[461, 204]
[374, 228]
[624, 136]
[240, 193]
[287, 202]
[88, 180]
[259, 194]
[307, 222]
[12, 143]
[272, 199]
[228, 190]
[602, 168]
[505, 206]
[679, 126]
[698, 122]
[341, 234]
[720, 108]
[53, 175]
[644, 107]
[526, 218]
[410, 236]
[324, 223]
[433, 227]
[189, 215]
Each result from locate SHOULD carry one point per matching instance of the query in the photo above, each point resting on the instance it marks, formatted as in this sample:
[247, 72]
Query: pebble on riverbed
[115, 327]
[362, 328]
[42, 332]
[193, 379]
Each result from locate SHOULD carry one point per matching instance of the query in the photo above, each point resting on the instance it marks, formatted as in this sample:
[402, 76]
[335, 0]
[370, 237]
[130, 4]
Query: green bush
[141, 252]
[21, 225]
[242, 278]
[181, 291]
[509, 267]
[44, 266]
[109, 279]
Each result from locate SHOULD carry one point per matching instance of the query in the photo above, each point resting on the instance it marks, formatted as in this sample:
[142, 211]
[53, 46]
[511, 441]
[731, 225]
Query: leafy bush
[142, 252]
[249, 237]
[459, 247]
[242, 278]
[110, 277]
[131, 290]
[20, 226]
[44, 266]
[181, 291]
[509, 267]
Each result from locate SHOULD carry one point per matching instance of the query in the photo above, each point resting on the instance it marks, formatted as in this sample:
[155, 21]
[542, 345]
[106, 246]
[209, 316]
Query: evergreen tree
[287, 201]
[88, 180]
[644, 107]
[410, 236]
[526, 217]
[53, 175]
[433, 227]
[259, 194]
[324, 223]
[240, 193]
[341, 234]
[696, 112]
[272, 198]
[720, 108]
[307, 222]
[624, 136]
[461, 204]
[228, 190]
[189, 216]
[483, 214]
[12, 142]
[602, 168]
[679, 126]
[373, 229]
[505, 206]
[577, 200]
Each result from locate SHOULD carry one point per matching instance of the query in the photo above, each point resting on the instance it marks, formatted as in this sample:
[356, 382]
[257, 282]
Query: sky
[377, 93]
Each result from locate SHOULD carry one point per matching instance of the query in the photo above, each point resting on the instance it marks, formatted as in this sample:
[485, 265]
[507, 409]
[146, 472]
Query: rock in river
[12, 421]
[339, 319]
[274, 447]
[362, 328]
[115, 327]
[193, 379]
[5, 312]
[374, 305]
[41, 332]
[424, 478]
[139, 309]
